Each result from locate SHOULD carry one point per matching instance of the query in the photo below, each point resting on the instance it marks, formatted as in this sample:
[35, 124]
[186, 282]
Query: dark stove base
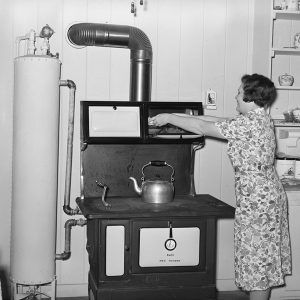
[151, 293]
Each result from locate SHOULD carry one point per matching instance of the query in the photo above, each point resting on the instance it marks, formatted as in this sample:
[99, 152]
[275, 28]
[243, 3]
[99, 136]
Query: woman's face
[242, 107]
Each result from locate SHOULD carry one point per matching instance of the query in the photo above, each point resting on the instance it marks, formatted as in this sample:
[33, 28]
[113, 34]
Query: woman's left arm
[195, 124]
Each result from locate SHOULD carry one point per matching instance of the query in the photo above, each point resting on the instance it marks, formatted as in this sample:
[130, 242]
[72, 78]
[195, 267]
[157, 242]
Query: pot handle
[158, 163]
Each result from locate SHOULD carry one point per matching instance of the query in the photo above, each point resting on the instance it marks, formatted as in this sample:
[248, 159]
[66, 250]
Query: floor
[232, 296]
[236, 295]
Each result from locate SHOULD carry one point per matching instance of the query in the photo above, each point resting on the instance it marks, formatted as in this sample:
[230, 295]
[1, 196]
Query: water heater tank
[35, 169]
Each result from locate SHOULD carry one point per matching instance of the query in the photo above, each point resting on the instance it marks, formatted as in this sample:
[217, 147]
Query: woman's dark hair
[258, 89]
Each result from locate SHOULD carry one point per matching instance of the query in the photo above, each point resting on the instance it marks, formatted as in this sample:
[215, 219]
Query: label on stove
[158, 249]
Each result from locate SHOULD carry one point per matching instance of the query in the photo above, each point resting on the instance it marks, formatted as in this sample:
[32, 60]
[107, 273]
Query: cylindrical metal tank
[35, 169]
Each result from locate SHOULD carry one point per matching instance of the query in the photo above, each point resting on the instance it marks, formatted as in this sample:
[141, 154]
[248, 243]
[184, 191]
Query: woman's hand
[159, 120]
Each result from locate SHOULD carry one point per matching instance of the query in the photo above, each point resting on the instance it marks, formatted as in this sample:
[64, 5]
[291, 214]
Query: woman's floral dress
[261, 234]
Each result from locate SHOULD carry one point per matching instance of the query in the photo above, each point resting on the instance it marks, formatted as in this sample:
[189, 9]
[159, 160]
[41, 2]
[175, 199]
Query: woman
[261, 235]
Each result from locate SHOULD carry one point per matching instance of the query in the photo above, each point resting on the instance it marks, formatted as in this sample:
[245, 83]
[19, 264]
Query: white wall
[6, 83]
[197, 45]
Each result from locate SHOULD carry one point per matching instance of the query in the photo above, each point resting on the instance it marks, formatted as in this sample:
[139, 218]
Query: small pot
[297, 40]
[296, 115]
[286, 80]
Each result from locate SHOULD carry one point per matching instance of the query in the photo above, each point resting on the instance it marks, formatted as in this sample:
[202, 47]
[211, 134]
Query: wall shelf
[285, 51]
[282, 14]
[287, 88]
[284, 58]
[283, 123]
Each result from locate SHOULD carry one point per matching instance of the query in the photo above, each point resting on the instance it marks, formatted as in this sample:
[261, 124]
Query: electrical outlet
[211, 99]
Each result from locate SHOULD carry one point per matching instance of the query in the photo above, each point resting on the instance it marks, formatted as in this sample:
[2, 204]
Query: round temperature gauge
[170, 244]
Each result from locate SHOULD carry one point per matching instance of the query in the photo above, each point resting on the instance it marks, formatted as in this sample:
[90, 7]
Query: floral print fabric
[261, 234]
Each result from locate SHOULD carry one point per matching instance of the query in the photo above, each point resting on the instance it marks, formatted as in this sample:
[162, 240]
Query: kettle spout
[135, 185]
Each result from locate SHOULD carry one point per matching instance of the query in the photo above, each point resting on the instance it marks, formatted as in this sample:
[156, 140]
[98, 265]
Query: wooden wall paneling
[225, 255]
[191, 77]
[293, 281]
[235, 66]
[191, 53]
[261, 36]
[281, 65]
[168, 50]
[282, 33]
[98, 58]
[294, 67]
[284, 37]
[281, 104]
[120, 58]
[214, 44]
[294, 99]
[147, 20]
[6, 132]
[295, 29]
[213, 77]
[236, 58]
[73, 270]
[49, 12]
[24, 19]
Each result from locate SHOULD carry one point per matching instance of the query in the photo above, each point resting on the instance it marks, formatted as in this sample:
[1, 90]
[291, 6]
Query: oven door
[169, 246]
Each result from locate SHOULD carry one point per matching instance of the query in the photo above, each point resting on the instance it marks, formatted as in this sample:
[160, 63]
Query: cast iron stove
[140, 250]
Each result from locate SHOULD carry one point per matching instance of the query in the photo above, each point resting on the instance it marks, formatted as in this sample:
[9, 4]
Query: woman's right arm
[190, 123]
[204, 118]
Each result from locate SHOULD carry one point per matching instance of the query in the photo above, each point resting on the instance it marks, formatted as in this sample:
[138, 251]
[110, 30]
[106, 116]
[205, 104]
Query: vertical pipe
[71, 85]
[121, 36]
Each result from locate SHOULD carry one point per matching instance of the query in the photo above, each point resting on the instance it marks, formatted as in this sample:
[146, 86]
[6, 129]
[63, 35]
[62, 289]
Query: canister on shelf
[285, 168]
[293, 5]
[283, 5]
[286, 80]
[297, 168]
[297, 40]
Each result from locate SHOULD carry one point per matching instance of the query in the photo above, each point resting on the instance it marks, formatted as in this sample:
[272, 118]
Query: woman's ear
[246, 100]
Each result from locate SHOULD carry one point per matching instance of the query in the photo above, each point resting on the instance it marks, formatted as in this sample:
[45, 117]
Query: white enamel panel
[154, 252]
[109, 121]
[115, 239]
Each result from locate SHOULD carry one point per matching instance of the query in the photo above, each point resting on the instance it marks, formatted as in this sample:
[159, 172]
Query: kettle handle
[158, 163]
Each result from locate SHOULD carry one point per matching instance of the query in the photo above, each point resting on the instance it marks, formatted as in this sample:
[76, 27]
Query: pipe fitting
[69, 83]
[68, 226]
[71, 211]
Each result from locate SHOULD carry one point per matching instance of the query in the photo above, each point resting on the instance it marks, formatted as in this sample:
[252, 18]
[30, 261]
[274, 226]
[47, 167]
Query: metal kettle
[155, 191]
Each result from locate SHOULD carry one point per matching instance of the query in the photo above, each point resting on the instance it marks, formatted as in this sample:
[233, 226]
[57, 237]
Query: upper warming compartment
[105, 122]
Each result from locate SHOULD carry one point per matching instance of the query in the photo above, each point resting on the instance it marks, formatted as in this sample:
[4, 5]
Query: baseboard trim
[226, 285]
[72, 290]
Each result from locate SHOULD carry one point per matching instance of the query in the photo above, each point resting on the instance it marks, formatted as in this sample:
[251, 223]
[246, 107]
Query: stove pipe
[121, 36]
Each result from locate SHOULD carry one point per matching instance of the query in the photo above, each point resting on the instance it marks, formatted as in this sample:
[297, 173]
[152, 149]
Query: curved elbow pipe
[120, 36]
[69, 83]
[71, 211]
[68, 226]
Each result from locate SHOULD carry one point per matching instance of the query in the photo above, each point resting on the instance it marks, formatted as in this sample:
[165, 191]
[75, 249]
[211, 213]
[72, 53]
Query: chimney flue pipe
[121, 36]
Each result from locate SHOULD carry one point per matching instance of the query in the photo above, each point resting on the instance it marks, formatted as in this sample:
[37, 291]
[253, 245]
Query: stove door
[169, 247]
[175, 245]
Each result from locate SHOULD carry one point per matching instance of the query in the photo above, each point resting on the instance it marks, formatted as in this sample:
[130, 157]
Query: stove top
[182, 206]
